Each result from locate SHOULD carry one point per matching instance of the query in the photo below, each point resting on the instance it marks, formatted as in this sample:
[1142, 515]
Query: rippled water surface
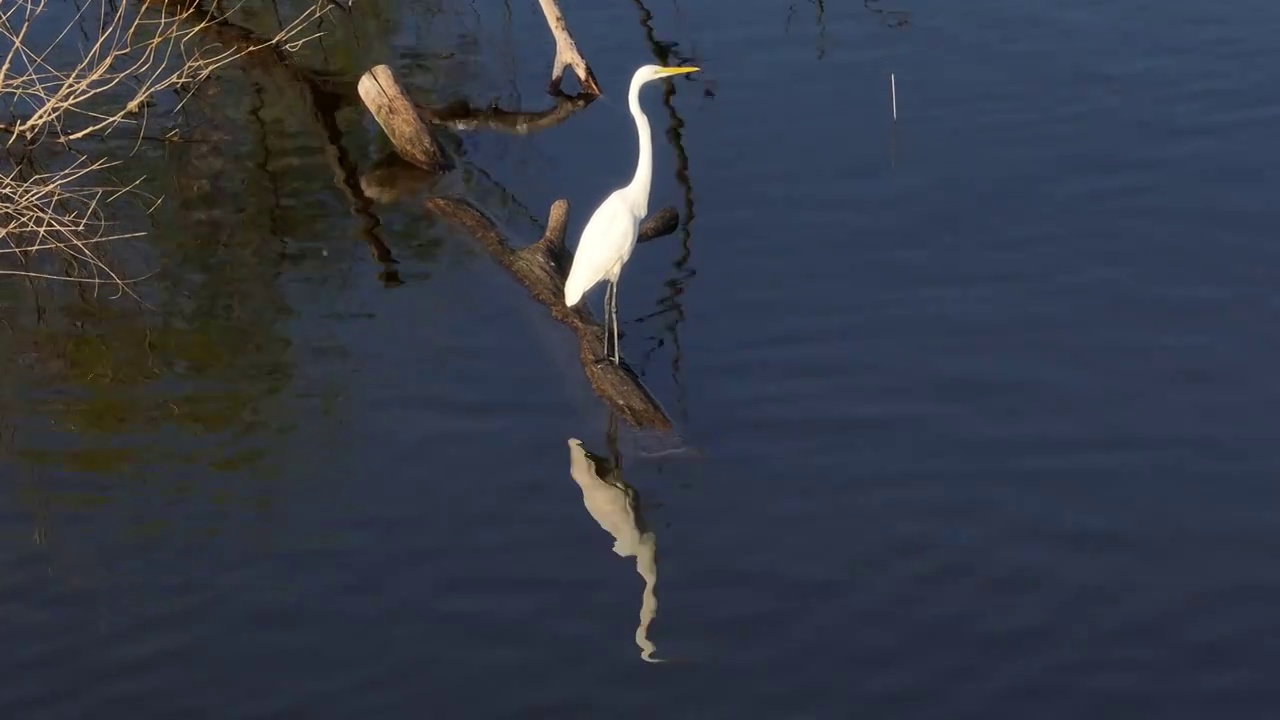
[981, 405]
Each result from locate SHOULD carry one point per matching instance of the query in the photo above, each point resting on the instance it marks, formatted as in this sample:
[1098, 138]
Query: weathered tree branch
[541, 268]
[566, 53]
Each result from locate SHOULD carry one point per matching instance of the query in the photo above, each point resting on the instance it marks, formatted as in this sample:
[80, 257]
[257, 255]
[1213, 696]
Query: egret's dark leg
[608, 315]
[614, 296]
[608, 304]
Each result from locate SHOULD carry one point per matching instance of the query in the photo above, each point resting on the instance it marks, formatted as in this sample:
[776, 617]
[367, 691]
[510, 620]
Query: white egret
[610, 235]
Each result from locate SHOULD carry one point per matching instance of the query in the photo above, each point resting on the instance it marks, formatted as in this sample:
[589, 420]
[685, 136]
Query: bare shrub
[88, 70]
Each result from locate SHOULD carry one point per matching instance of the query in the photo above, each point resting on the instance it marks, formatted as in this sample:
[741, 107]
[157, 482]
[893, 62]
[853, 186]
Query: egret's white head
[653, 72]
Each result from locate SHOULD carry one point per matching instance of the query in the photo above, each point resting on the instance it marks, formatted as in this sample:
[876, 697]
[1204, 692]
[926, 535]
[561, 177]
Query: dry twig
[82, 84]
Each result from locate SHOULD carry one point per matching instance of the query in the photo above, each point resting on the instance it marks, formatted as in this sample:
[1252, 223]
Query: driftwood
[541, 268]
[567, 54]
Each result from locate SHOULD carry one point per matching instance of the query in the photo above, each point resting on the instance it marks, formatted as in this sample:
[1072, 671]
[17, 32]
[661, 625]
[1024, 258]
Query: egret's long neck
[644, 167]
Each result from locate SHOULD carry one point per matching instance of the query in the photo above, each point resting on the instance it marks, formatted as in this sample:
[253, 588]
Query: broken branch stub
[541, 269]
[567, 54]
[660, 224]
[393, 110]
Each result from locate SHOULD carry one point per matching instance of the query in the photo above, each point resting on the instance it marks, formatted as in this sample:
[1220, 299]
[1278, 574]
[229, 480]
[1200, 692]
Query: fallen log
[541, 269]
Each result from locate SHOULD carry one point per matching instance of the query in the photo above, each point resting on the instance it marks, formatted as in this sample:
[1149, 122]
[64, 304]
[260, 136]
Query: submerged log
[541, 268]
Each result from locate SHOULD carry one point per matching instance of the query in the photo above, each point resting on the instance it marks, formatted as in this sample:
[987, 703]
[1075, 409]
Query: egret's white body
[610, 235]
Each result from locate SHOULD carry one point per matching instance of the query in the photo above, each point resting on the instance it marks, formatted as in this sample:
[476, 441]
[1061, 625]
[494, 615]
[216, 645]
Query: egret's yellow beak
[664, 72]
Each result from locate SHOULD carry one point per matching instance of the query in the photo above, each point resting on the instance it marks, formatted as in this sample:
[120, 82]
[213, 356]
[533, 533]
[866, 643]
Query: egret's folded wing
[607, 239]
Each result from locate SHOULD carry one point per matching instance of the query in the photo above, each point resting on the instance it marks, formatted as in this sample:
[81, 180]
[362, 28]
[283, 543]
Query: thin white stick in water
[893, 94]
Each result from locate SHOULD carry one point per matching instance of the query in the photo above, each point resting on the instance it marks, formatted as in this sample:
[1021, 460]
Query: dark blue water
[983, 403]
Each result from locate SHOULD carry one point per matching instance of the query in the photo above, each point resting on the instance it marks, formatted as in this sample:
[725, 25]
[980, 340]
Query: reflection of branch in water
[669, 304]
[323, 98]
[821, 22]
[346, 175]
[391, 178]
[615, 505]
[255, 111]
[892, 19]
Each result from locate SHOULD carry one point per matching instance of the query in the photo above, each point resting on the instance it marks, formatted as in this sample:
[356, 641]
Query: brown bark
[541, 268]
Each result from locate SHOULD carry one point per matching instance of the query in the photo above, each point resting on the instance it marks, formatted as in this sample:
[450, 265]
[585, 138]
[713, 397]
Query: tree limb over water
[541, 268]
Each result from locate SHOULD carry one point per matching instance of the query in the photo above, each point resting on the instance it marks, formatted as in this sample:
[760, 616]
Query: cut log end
[398, 117]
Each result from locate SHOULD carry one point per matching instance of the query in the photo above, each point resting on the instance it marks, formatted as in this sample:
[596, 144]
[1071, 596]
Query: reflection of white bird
[610, 234]
[612, 504]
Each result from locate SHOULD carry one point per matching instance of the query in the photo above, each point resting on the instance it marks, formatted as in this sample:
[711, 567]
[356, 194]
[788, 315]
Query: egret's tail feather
[571, 295]
[574, 289]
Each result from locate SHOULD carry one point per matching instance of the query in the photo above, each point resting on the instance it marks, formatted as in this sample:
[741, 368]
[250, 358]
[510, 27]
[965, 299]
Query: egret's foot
[606, 360]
